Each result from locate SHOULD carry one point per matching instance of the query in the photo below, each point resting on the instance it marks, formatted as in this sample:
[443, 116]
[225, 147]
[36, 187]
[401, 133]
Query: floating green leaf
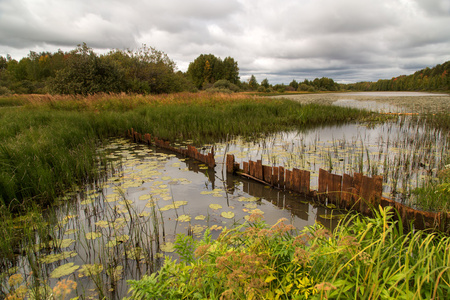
[174, 205]
[90, 270]
[118, 240]
[168, 247]
[249, 199]
[51, 258]
[200, 217]
[251, 205]
[70, 231]
[102, 224]
[64, 270]
[93, 235]
[215, 206]
[227, 214]
[184, 218]
[144, 197]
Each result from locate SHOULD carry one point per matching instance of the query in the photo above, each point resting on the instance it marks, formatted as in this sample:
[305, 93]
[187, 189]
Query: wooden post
[287, 180]
[230, 163]
[259, 170]
[305, 184]
[245, 168]
[275, 176]
[323, 185]
[334, 188]
[281, 177]
[296, 180]
[267, 171]
[252, 168]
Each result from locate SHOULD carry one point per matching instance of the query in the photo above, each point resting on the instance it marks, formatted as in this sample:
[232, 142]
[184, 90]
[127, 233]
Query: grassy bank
[48, 144]
[364, 258]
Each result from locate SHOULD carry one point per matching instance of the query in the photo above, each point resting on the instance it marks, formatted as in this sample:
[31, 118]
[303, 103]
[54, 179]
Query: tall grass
[364, 258]
[49, 144]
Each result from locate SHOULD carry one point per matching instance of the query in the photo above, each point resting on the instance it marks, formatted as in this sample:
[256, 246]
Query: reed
[49, 144]
[364, 258]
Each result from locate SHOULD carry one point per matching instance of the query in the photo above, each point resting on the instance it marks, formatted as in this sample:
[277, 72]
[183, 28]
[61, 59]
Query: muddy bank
[411, 102]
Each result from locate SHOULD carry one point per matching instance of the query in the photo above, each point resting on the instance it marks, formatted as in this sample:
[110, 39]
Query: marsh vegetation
[83, 212]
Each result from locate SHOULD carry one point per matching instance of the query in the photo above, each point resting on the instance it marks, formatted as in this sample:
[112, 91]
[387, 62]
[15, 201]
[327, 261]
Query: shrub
[364, 258]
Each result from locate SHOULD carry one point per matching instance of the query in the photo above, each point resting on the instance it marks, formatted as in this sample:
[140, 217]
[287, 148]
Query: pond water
[369, 105]
[120, 227]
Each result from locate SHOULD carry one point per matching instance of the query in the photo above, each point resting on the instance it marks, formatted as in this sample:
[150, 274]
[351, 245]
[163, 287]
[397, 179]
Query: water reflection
[122, 225]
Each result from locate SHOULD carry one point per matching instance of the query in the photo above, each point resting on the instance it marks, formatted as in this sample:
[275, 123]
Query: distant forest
[147, 70]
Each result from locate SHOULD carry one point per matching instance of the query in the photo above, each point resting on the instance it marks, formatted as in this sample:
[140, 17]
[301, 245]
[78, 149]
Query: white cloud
[347, 40]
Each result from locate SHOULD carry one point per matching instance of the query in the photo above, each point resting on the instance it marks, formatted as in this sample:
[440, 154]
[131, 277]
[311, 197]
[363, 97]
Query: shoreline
[427, 103]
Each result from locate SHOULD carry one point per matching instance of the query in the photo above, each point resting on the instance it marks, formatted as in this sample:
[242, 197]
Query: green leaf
[64, 270]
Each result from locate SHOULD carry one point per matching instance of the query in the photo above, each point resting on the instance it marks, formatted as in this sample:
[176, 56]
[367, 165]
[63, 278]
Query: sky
[281, 40]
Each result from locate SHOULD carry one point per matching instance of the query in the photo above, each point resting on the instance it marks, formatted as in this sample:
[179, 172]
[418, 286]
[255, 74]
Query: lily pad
[102, 224]
[90, 270]
[144, 214]
[118, 240]
[168, 247]
[251, 205]
[64, 270]
[144, 197]
[184, 218]
[70, 231]
[215, 206]
[227, 214]
[174, 205]
[93, 235]
[51, 258]
[248, 199]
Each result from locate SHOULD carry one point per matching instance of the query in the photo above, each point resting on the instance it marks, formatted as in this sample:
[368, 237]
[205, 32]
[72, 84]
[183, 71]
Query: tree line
[82, 71]
[148, 70]
[436, 78]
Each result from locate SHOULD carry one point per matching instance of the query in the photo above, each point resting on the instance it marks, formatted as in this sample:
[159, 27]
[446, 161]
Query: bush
[364, 258]
[4, 91]
[225, 84]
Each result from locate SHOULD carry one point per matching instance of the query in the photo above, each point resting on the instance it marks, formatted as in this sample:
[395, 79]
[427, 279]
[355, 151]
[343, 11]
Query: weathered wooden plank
[259, 170]
[267, 172]
[334, 188]
[275, 172]
[295, 180]
[230, 163]
[347, 189]
[252, 168]
[287, 180]
[281, 177]
[305, 183]
[245, 167]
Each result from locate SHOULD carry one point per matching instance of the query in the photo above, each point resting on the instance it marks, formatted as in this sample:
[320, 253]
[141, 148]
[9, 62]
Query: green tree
[252, 83]
[85, 73]
[265, 83]
[294, 84]
[206, 69]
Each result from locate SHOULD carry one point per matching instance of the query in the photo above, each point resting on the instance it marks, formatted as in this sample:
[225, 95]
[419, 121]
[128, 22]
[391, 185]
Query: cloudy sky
[282, 40]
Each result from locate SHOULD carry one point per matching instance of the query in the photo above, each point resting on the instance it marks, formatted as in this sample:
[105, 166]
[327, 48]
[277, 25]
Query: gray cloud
[348, 40]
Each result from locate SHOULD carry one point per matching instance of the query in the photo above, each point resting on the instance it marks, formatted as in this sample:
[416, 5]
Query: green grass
[364, 258]
[49, 144]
